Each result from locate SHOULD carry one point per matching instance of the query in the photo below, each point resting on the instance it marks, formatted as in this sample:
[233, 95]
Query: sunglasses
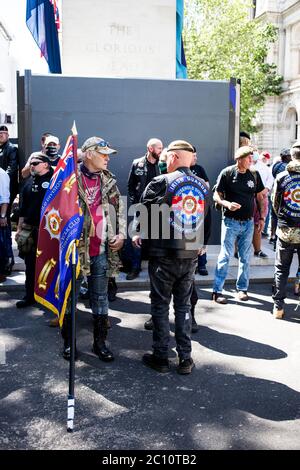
[35, 163]
[102, 143]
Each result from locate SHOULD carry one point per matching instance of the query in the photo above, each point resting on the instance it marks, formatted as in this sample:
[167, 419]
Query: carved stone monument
[117, 38]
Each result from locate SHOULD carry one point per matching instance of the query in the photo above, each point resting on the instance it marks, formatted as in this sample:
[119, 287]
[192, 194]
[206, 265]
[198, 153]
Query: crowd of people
[255, 198]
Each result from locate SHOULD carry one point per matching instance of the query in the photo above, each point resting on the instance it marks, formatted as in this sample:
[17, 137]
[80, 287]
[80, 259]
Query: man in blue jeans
[235, 191]
[102, 237]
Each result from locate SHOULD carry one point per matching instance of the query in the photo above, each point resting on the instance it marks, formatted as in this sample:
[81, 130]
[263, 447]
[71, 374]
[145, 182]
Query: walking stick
[71, 396]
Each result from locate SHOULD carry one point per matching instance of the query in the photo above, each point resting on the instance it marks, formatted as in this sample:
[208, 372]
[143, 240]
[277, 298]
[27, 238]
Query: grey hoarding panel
[127, 112]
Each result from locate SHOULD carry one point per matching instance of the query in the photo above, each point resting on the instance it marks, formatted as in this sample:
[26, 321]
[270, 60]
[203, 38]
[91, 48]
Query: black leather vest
[178, 230]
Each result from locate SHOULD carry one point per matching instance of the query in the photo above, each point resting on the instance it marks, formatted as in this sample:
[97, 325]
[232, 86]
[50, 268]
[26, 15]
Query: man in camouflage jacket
[110, 199]
[286, 204]
[103, 235]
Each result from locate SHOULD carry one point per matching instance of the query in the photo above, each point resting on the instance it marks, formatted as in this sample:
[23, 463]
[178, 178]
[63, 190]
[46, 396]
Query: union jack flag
[40, 21]
[55, 4]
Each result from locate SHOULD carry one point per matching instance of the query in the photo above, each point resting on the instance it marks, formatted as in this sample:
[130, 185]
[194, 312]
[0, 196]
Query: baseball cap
[180, 145]
[98, 144]
[296, 144]
[3, 129]
[39, 156]
[243, 151]
[266, 155]
[51, 138]
[286, 152]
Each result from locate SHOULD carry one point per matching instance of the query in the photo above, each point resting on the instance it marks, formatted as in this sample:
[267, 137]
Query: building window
[292, 126]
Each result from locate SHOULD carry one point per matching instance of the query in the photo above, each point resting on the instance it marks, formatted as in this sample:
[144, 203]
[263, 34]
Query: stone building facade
[279, 120]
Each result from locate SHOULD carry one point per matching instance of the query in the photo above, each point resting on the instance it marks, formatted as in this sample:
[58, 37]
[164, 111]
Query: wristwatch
[2, 216]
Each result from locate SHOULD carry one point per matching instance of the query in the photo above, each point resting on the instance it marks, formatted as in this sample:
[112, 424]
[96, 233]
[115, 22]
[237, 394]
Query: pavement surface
[244, 392]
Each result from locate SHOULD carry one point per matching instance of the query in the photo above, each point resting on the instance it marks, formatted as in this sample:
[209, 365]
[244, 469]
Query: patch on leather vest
[290, 206]
[187, 195]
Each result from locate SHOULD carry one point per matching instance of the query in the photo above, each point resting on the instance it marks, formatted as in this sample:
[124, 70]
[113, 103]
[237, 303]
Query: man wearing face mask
[25, 172]
[143, 170]
[32, 196]
[52, 147]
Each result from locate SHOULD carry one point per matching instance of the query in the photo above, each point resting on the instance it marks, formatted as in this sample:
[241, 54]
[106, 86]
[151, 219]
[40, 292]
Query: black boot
[112, 289]
[195, 326]
[66, 334]
[100, 335]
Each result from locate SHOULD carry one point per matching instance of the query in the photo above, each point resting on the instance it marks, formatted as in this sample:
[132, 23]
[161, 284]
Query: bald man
[174, 242]
[142, 171]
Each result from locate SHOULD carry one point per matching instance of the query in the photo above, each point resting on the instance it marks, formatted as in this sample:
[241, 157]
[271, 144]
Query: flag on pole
[56, 14]
[181, 71]
[40, 21]
[60, 228]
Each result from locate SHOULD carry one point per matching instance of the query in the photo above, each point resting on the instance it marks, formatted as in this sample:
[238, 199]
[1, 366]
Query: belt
[239, 220]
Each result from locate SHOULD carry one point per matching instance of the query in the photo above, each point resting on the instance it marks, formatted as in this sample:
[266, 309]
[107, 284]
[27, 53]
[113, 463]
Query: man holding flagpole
[82, 206]
[102, 237]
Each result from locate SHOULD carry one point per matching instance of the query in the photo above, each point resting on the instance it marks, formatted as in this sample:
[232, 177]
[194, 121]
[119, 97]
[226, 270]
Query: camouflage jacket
[113, 210]
[286, 203]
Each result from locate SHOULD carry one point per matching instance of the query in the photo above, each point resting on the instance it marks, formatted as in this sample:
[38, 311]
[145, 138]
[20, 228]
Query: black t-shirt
[32, 198]
[54, 161]
[240, 188]
[151, 171]
[199, 171]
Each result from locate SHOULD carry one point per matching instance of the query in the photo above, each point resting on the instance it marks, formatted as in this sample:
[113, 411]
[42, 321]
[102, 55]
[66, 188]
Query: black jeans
[284, 257]
[171, 276]
[30, 259]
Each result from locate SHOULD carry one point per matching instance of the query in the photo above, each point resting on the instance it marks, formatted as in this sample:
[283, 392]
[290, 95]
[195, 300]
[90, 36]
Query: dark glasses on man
[35, 163]
[102, 143]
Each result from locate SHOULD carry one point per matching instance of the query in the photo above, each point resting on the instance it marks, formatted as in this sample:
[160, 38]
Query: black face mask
[51, 151]
[163, 167]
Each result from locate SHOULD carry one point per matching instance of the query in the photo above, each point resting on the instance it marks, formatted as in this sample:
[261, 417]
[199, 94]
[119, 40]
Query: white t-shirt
[4, 187]
[265, 174]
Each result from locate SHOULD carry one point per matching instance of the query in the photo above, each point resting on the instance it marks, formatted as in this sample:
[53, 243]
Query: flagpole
[71, 396]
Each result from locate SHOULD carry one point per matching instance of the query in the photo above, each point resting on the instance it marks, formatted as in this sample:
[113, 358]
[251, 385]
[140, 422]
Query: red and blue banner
[40, 20]
[60, 228]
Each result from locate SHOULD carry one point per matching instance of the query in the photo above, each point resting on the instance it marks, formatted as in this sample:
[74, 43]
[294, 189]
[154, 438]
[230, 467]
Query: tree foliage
[222, 41]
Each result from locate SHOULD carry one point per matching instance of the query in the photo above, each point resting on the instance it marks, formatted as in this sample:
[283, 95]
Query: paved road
[243, 393]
